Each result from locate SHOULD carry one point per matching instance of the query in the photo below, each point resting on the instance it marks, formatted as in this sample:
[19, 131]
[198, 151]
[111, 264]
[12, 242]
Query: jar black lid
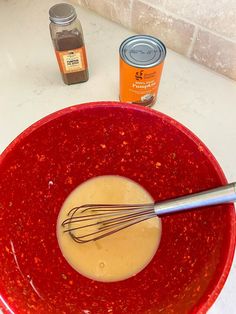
[62, 13]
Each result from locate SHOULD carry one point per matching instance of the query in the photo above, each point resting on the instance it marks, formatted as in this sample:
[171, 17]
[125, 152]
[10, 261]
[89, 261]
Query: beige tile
[83, 3]
[156, 3]
[116, 10]
[176, 34]
[216, 53]
[216, 15]
[122, 12]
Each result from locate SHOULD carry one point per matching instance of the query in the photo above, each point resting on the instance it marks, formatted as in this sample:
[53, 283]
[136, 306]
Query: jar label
[72, 60]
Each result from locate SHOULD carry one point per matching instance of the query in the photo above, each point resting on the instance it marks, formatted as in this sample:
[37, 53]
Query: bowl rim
[206, 301]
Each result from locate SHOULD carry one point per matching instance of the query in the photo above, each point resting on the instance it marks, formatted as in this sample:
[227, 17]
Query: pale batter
[121, 255]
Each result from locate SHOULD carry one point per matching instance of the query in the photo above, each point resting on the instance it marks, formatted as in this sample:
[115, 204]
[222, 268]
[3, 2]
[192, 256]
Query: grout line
[178, 17]
[214, 33]
[169, 13]
[194, 37]
[155, 6]
[164, 3]
[131, 14]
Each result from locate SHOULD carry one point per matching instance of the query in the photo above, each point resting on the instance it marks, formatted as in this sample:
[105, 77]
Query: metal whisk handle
[220, 195]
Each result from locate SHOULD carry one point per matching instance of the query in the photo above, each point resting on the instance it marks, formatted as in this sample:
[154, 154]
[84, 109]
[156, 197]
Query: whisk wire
[97, 221]
[89, 236]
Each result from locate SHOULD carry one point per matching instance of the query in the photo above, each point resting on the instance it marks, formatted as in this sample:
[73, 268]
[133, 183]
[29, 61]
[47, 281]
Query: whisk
[91, 222]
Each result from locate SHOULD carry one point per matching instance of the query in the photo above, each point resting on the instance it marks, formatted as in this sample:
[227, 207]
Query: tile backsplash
[204, 31]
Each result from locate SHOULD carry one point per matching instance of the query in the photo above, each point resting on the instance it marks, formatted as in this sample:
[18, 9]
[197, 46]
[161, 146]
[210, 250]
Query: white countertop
[31, 87]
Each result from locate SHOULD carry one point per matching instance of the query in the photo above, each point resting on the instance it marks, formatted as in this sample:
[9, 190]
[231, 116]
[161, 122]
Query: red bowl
[48, 160]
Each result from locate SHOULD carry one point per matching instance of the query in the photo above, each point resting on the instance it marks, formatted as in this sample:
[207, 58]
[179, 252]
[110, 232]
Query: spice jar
[67, 37]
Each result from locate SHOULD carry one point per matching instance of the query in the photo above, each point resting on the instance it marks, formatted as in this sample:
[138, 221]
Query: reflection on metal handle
[223, 194]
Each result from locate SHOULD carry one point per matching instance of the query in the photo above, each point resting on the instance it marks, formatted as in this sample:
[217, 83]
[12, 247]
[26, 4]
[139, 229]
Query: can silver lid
[142, 51]
[62, 13]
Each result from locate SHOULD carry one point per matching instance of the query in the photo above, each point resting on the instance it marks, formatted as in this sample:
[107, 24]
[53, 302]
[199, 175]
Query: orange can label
[141, 62]
[139, 85]
[72, 60]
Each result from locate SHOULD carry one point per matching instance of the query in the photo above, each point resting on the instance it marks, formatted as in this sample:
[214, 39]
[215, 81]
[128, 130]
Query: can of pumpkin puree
[141, 63]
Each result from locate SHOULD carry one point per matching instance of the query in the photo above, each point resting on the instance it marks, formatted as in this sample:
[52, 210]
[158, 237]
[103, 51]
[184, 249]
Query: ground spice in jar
[67, 37]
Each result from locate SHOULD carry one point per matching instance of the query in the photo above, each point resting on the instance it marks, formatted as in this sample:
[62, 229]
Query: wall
[202, 30]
